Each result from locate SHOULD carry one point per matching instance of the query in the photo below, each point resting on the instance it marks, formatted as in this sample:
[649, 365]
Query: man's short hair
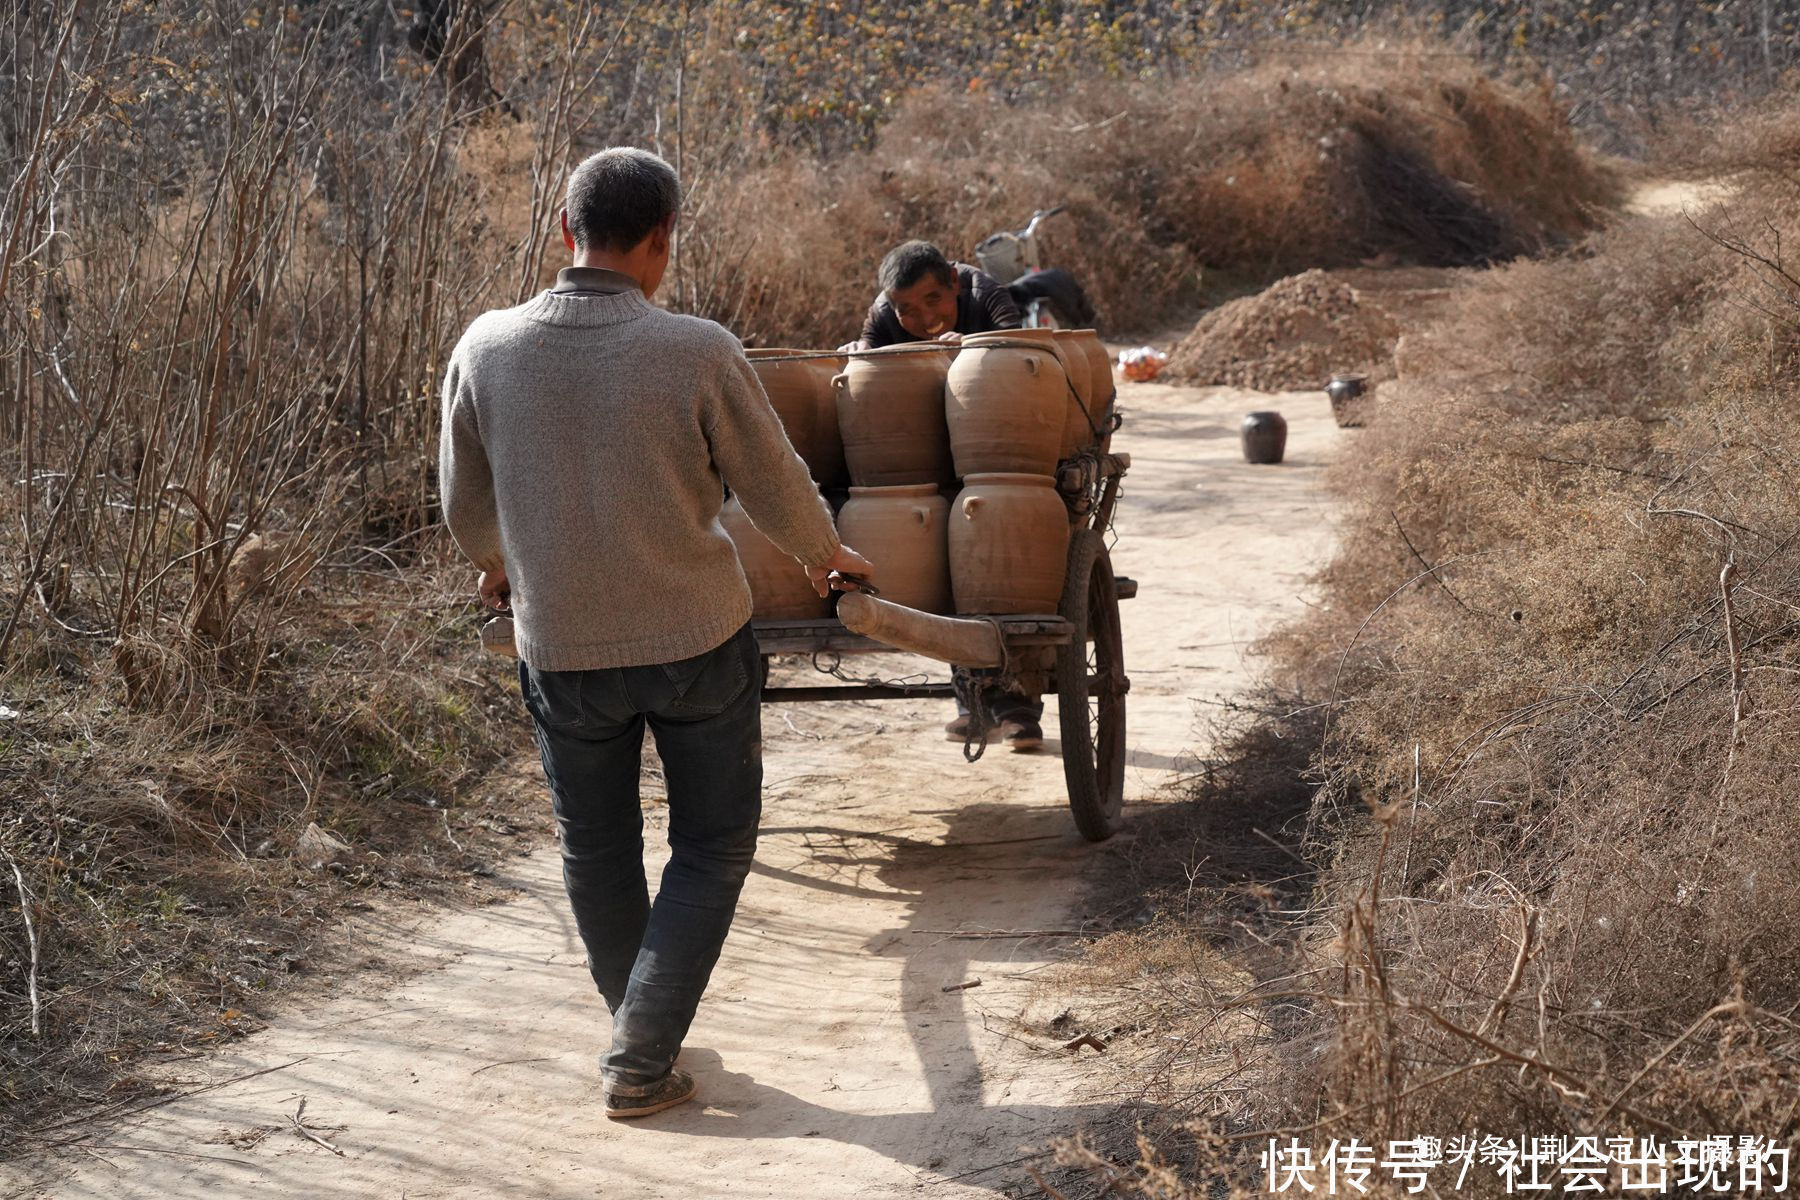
[616, 197]
[910, 262]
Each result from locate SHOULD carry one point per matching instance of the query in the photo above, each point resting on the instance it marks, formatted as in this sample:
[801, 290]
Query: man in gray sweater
[587, 439]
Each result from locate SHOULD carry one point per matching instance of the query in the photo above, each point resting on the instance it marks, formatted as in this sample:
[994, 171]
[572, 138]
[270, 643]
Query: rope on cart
[971, 689]
[836, 671]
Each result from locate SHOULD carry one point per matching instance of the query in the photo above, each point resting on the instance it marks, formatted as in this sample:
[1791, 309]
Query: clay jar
[1264, 436]
[799, 390]
[890, 411]
[1005, 403]
[901, 531]
[830, 470]
[1100, 376]
[1076, 431]
[779, 588]
[1009, 544]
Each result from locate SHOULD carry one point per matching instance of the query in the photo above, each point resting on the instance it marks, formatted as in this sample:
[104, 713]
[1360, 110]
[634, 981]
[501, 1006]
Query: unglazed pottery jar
[830, 470]
[1009, 544]
[1100, 374]
[779, 588]
[799, 389]
[1078, 409]
[1005, 400]
[890, 408]
[902, 531]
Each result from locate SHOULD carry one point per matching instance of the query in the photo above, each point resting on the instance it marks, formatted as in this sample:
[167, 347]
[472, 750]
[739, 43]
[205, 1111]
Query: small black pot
[1265, 437]
[1346, 391]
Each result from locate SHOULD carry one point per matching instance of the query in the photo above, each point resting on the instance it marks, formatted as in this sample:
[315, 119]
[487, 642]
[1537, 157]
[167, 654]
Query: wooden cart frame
[1076, 653]
[1080, 644]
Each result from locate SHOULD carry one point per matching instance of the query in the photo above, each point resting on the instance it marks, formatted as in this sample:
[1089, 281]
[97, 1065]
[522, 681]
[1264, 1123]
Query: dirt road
[831, 1061]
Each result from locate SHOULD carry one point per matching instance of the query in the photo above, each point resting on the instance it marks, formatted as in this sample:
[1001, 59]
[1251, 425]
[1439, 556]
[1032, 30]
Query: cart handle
[958, 640]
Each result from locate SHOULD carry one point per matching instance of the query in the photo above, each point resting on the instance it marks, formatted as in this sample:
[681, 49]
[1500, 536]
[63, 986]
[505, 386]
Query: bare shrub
[1408, 152]
[232, 253]
[1557, 641]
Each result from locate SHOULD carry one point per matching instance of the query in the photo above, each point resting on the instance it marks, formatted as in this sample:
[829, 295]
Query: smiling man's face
[927, 308]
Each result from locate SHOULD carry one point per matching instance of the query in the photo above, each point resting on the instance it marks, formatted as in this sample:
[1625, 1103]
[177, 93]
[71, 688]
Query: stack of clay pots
[1018, 402]
[903, 425]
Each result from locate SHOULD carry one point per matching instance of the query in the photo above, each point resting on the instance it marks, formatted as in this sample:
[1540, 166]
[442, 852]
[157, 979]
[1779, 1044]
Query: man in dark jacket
[924, 296]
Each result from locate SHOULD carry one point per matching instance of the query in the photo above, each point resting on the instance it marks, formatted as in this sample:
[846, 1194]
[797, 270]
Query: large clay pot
[779, 588]
[1077, 432]
[1264, 437]
[1005, 400]
[1100, 374]
[890, 408]
[1009, 542]
[901, 531]
[799, 389]
[830, 470]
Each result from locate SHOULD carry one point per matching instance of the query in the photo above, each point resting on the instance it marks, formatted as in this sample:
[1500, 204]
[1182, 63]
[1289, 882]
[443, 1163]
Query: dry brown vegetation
[1556, 659]
[1596, 460]
[1408, 155]
[236, 243]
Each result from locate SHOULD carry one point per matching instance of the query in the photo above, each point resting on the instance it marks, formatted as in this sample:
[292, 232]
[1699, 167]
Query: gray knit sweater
[585, 441]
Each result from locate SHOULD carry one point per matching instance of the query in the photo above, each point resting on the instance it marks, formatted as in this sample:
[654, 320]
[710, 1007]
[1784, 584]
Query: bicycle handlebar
[1038, 218]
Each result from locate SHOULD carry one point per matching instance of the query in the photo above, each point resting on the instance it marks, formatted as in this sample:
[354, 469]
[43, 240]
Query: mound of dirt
[1295, 334]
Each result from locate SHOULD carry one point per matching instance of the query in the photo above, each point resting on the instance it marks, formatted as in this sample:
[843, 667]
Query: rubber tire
[1096, 786]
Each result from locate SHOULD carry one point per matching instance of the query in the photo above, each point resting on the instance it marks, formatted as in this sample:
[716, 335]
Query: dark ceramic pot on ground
[1346, 392]
[1265, 437]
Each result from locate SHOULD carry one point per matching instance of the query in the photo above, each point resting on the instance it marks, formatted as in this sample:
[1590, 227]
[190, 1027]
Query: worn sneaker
[677, 1087]
[1022, 736]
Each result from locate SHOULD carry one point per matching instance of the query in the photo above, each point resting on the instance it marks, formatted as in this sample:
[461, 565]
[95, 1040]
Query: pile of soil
[1293, 335]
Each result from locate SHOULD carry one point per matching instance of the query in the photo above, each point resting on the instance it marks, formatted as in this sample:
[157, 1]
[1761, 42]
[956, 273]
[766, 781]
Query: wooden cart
[1075, 653]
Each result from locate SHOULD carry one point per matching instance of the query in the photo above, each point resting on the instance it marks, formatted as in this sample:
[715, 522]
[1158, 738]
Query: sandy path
[831, 1062]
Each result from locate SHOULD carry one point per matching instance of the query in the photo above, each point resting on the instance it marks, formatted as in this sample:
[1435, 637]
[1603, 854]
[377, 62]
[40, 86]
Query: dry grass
[1558, 653]
[225, 618]
[1194, 990]
[1408, 154]
[162, 852]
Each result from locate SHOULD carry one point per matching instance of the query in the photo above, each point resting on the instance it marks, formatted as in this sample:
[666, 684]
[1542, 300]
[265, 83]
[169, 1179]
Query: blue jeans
[651, 963]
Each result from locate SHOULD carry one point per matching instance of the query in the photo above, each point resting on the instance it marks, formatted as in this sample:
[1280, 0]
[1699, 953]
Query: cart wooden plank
[828, 634]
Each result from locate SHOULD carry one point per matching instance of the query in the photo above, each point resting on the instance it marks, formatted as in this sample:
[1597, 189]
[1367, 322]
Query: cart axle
[859, 691]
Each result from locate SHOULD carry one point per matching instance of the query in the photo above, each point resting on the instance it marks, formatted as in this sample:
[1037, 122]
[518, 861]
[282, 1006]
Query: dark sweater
[982, 306]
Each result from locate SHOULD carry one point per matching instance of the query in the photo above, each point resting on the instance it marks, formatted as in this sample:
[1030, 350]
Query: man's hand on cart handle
[845, 571]
[853, 583]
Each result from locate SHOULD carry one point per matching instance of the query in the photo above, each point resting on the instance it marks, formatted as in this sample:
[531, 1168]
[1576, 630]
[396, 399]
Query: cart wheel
[1090, 689]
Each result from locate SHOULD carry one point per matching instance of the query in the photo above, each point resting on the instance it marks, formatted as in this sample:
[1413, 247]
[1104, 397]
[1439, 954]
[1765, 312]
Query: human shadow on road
[934, 1146]
[975, 907]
